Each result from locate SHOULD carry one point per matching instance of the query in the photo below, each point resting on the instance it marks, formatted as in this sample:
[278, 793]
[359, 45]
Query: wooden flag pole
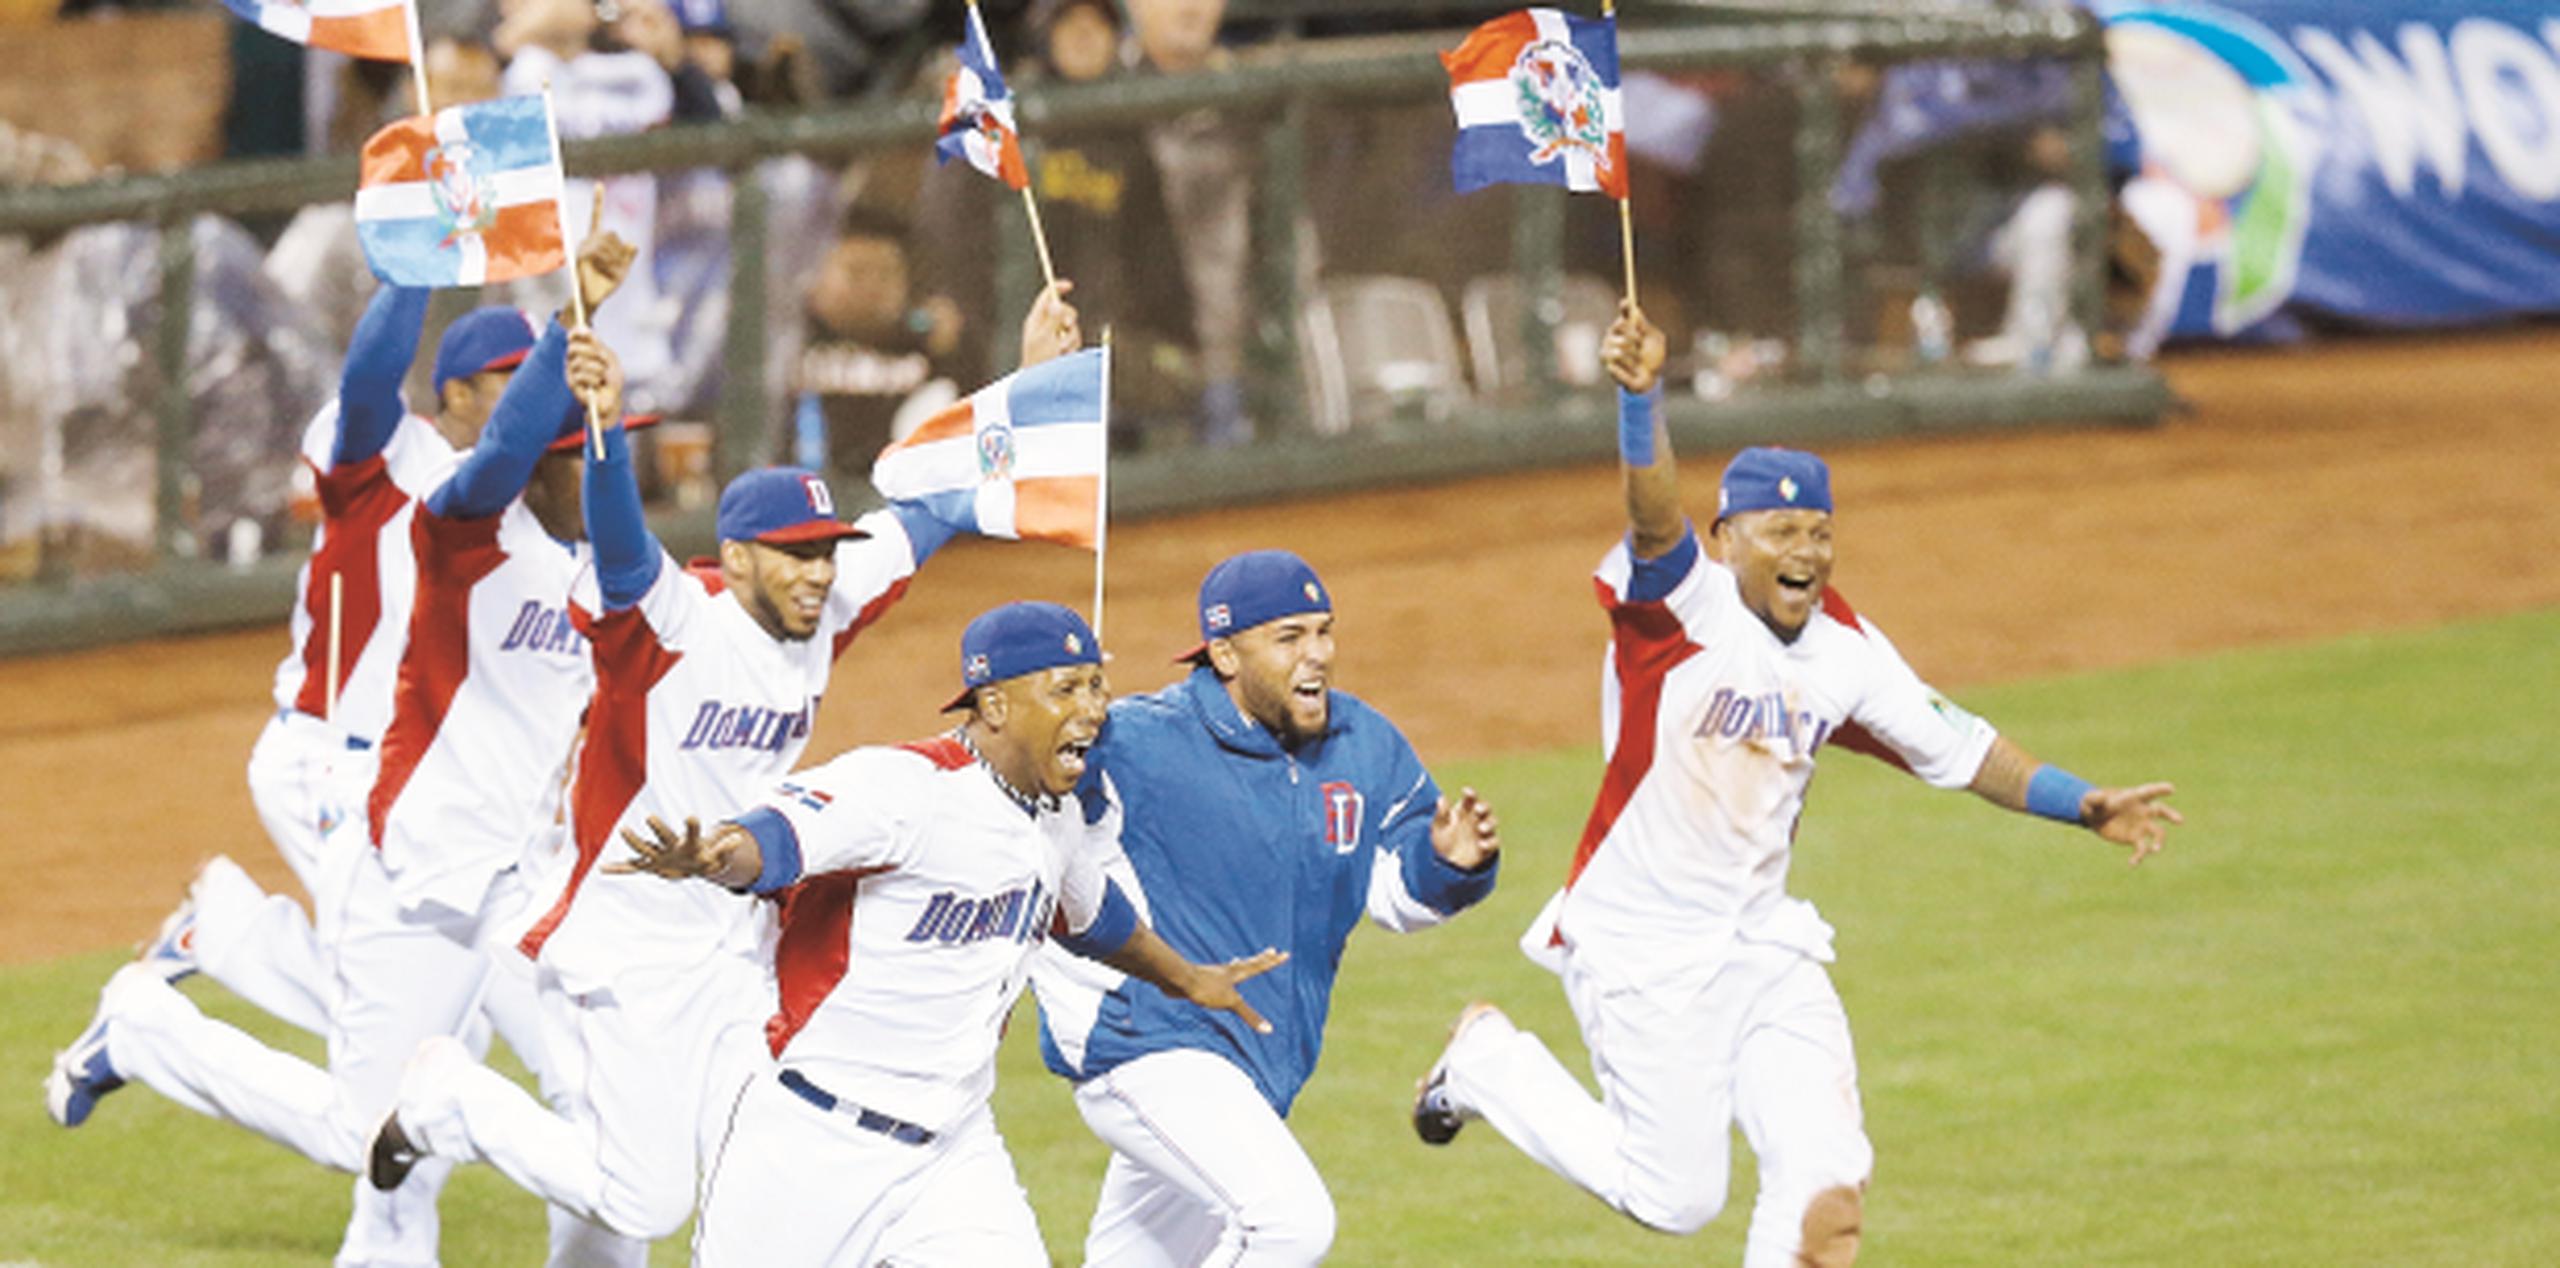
[1626, 215]
[577, 297]
[1102, 489]
[417, 58]
[1040, 240]
[337, 622]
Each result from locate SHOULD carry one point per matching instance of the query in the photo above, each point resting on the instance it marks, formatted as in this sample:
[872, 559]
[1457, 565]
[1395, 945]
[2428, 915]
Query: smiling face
[784, 587]
[1780, 560]
[1037, 729]
[1280, 673]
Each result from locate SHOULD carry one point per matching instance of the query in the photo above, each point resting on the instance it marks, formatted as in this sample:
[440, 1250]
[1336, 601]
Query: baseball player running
[1263, 808]
[917, 881]
[707, 681]
[488, 693]
[1698, 982]
[371, 459]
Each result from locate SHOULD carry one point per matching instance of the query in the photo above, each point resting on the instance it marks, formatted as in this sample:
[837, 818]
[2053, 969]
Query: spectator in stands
[601, 87]
[854, 45]
[872, 365]
[1205, 163]
[671, 38]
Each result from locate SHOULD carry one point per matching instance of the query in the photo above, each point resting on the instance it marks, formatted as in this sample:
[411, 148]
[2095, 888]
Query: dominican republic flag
[977, 113]
[469, 197]
[377, 29]
[1536, 93]
[1022, 457]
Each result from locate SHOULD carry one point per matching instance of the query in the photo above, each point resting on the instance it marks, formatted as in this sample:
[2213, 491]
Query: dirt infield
[2368, 486]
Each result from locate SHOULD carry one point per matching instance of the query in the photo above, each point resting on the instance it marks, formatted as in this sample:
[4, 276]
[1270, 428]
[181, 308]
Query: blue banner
[2393, 162]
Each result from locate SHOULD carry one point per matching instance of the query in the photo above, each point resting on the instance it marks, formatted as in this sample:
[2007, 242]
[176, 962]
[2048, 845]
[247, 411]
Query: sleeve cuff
[779, 844]
[1112, 927]
[1444, 886]
[1653, 580]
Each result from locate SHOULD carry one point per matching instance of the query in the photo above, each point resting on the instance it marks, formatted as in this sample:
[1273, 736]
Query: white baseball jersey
[492, 688]
[927, 889]
[1712, 725]
[697, 709]
[364, 542]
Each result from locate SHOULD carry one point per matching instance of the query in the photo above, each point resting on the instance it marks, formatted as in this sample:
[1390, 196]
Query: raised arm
[628, 556]
[1634, 352]
[378, 355]
[527, 419]
[2138, 817]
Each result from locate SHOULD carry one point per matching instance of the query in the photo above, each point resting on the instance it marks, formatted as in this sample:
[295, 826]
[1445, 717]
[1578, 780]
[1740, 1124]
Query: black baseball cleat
[1435, 1119]
[393, 1156]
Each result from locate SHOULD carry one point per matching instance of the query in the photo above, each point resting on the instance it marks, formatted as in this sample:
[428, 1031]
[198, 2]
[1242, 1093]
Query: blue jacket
[1238, 844]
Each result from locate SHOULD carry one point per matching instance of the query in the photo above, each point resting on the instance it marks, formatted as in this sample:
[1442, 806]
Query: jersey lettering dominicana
[363, 541]
[920, 891]
[697, 709]
[492, 689]
[1712, 725]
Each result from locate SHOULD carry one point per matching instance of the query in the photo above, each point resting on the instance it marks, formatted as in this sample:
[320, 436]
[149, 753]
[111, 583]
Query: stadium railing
[1830, 389]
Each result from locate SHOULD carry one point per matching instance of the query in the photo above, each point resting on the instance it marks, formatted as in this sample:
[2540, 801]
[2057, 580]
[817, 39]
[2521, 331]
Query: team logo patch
[1342, 807]
[1787, 487]
[820, 500]
[1075, 646]
[1561, 109]
[1314, 595]
[976, 669]
[1218, 616]
[996, 453]
[465, 193]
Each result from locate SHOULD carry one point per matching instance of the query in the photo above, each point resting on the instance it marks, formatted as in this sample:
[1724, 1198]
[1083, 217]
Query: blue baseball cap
[1246, 590]
[1764, 478]
[497, 337]
[1021, 638]
[780, 506]
[703, 17]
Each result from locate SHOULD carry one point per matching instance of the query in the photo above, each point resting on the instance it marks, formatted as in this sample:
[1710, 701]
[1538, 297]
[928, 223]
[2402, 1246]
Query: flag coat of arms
[377, 29]
[1536, 95]
[1022, 457]
[977, 113]
[466, 198]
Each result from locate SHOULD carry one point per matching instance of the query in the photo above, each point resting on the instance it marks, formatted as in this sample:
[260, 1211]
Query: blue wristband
[2055, 793]
[1635, 425]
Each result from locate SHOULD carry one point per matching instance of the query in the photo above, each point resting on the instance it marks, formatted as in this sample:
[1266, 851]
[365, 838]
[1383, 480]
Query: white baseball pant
[791, 1183]
[308, 787]
[1762, 1040]
[1202, 1171]
[645, 1075]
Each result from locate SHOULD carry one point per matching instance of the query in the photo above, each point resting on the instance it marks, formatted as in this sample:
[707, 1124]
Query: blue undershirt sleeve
[924, 531]
[1653, 580]
[1111, 929]
[1635, 425]
[627, 553]
[779, 844]
[1444, 886]
[525, 422]
[378, 354]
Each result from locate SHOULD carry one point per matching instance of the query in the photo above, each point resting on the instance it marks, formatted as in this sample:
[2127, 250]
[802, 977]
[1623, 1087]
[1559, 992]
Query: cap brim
[578, 435]
[1199, 652]
[813, 531]
[967, 696]
[505, 360]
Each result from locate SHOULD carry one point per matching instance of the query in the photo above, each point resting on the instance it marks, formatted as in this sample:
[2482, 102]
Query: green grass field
[2319, 1031]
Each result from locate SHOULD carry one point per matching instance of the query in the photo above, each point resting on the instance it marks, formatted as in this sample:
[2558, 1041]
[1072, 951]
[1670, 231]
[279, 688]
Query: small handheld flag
[1022, 457]
[1536, 95]
[375, 29]
[466, 197]
[977, 113]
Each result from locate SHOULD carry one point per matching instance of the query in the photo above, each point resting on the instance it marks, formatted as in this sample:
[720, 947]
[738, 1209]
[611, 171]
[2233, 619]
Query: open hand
[1214, 985]
[2139, 817]
[1465, 832]
[677, 857]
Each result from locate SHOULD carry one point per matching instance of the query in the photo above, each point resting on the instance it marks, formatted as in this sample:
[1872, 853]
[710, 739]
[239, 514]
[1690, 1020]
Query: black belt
[870, 1120]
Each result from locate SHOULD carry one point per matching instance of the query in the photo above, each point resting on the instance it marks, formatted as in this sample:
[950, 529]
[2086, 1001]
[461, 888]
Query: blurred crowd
[884, 273]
